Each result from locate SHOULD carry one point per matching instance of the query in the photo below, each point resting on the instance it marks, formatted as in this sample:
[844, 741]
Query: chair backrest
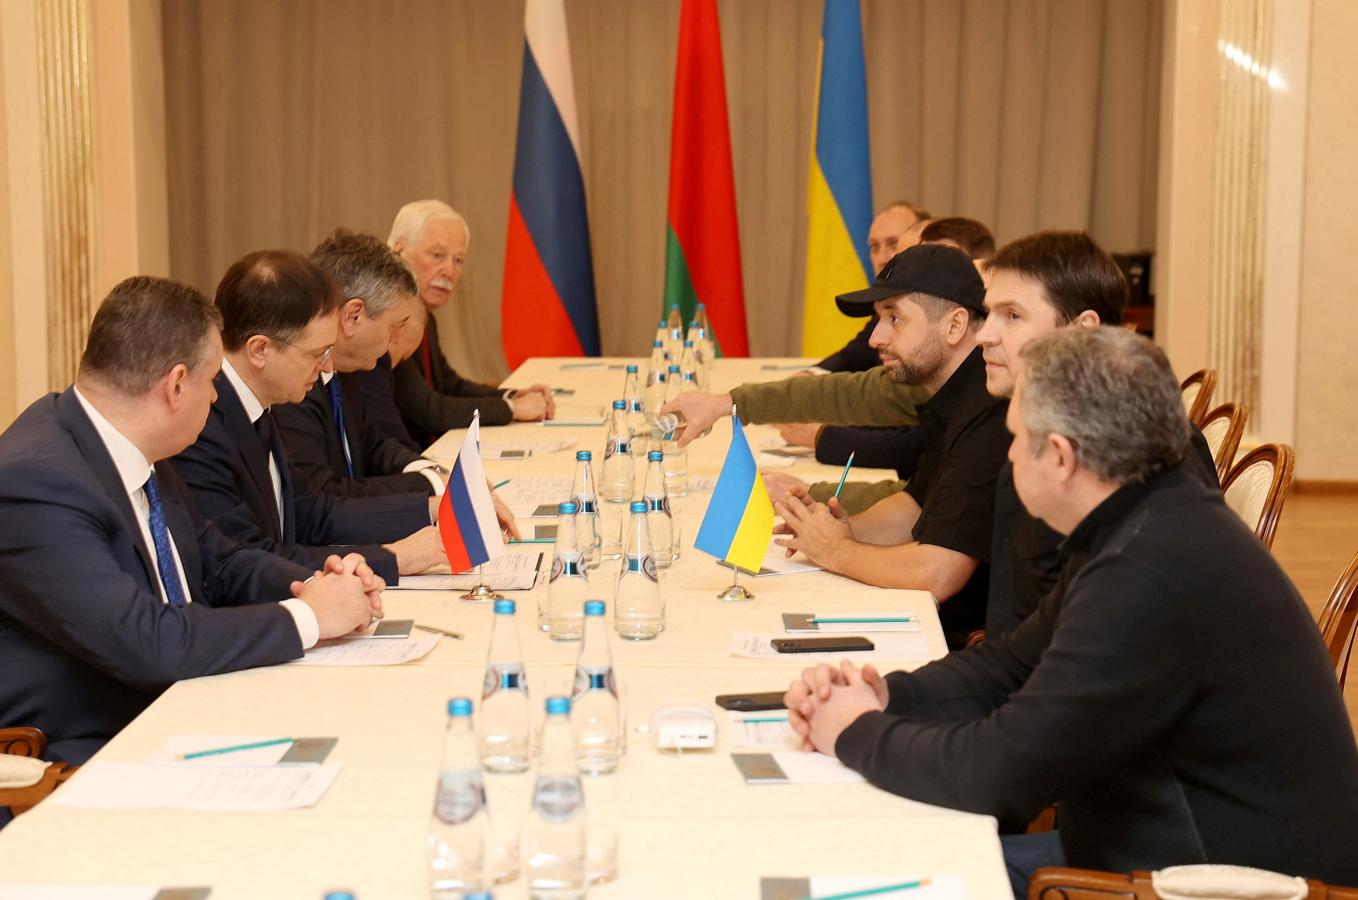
[1257, 486]
[1339, 621]
[1197, 393]
[22, 741]
[1054, 883]
[1222, 427]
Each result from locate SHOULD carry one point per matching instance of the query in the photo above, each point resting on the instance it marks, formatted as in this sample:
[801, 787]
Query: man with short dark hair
[1140, 697]
[111, 587]
[280, 318]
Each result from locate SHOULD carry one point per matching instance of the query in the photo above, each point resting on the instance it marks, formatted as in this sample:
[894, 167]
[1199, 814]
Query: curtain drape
[285, 120]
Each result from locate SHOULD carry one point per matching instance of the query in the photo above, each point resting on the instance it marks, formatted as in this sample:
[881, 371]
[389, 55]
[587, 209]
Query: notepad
[361, 652]
[797, 623]
[100, 892]
[777, 562]
[110, 785]
[940, 887]
[511, 572]
[764, 730]
[793, 767]
[907, 647]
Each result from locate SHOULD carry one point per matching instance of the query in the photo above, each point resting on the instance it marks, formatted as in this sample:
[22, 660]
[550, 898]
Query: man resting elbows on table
[111, 586]
[1171, 695]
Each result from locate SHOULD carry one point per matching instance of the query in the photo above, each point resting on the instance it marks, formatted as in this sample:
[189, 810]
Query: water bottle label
[461, 795]
[557, 798]
[644, 565]
[634, 405]
[659, 504]
[594, 681]
[586, 504]
[614, 446]
[568, 567]
[501, 680]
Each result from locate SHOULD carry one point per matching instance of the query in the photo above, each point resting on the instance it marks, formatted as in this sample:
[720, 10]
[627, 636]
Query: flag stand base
[482, 593]
[735, 591]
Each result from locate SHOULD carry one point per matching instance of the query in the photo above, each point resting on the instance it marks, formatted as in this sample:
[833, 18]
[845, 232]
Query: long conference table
[688, 824]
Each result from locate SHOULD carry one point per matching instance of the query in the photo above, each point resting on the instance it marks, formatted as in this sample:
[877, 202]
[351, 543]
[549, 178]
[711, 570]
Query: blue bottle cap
[594, 607]
[459, 707]
[654, 455]
[638, 506]
[479, 895]
[660, 324]
[504, 607]
[558, 706]
[688, 343]
[567, 509]
[657, 344]
[339, 895]
[619, 404]
[674, 368]
[582, 454]
[631, 368]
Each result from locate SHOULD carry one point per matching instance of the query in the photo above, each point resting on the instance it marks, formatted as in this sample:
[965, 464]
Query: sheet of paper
[702, 482]
[511, 572]
[760, 730]
[168, 754]
[108, 785]
[524, 494]
[495, 450]
[814, 768]
[940, 887]
[770, 461]
[852, 627]
[360, 652]
[779, 447]
[889, 648]
[582, 420]
[100, 892]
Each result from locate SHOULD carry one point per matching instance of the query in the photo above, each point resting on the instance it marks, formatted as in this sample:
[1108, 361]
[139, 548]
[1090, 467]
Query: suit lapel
[96, 455]
[252, 451]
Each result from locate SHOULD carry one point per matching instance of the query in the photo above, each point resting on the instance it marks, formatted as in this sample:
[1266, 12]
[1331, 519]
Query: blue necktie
[337, 407]
[160, 536]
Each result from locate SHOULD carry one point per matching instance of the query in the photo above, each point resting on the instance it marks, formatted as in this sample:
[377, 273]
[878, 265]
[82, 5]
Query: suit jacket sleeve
[65, 584]
[377, 393]
[873, 448]
[431, 413]
[856, 355]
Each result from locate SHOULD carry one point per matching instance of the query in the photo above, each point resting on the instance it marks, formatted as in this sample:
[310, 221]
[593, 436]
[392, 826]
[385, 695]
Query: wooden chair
[1222, 427]
[1197, 393]
[1055, 883]
[1257, 486]
[1339, 621]
[30, 742]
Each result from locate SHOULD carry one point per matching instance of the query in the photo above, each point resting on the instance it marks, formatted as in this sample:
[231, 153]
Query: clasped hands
[827, 699]
[345, 594]
[817, 529]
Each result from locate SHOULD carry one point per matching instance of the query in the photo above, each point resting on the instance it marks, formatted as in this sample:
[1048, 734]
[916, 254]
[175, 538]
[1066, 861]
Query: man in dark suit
[280, 318]
[111, 587]
[331, 445]
[433, 239]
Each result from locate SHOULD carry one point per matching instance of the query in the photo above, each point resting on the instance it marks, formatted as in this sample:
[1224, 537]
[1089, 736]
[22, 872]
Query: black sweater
[1172, 694]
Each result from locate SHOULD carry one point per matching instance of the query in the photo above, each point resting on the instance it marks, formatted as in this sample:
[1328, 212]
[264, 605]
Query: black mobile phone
[838, 644]
[751, 702]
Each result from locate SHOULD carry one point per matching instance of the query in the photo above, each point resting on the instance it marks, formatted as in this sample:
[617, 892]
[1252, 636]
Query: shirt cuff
[308, 629]
[429, 469]
[816, 370]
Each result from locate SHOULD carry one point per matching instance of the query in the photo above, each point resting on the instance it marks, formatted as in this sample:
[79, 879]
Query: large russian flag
[467, 523]
[702, 241]
[547, 306]
[739, 518]
[839, 189]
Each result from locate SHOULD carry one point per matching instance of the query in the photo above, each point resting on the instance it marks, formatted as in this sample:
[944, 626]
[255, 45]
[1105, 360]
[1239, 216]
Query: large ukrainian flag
[839, 192]
[739, 519]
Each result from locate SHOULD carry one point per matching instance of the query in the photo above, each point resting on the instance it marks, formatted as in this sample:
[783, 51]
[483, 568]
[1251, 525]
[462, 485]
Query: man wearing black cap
[935, 535]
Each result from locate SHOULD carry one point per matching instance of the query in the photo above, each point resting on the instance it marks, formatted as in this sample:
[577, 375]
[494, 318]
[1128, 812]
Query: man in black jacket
[1172, 695]
[280, 317]
[433, 239]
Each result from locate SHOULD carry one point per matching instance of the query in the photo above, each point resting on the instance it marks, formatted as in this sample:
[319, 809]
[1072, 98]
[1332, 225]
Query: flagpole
[735, 590]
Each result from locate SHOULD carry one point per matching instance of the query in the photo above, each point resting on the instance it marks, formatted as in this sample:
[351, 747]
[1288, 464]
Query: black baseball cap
[935, 269]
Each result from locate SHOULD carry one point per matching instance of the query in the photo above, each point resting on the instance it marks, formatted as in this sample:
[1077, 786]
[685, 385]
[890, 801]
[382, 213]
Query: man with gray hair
[433, 239]
[1171, 695]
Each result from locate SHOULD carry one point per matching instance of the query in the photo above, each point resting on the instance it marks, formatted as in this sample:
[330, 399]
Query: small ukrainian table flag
[739, 520]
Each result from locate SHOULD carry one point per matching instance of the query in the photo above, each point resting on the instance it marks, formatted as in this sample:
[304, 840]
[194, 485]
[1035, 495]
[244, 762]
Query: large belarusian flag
[702, 253]
[839, 188]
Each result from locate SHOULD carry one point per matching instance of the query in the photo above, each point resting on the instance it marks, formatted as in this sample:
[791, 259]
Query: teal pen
[872, 892]
[502, 484]
[817, 620]
[220, 750]
[764, 719]
[845, 474]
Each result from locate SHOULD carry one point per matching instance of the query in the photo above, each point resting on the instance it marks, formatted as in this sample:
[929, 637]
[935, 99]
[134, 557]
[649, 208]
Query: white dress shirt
[253, 410]
[426, 467]
[134, 471]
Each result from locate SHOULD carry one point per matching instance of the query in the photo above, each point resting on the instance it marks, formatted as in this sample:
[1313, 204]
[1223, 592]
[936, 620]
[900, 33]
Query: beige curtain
[287, 119]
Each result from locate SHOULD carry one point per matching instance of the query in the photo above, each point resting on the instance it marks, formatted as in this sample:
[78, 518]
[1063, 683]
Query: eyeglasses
[318, 357]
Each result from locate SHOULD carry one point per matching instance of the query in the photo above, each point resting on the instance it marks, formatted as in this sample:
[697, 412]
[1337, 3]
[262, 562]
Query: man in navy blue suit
[280, 317]
[111, 586]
